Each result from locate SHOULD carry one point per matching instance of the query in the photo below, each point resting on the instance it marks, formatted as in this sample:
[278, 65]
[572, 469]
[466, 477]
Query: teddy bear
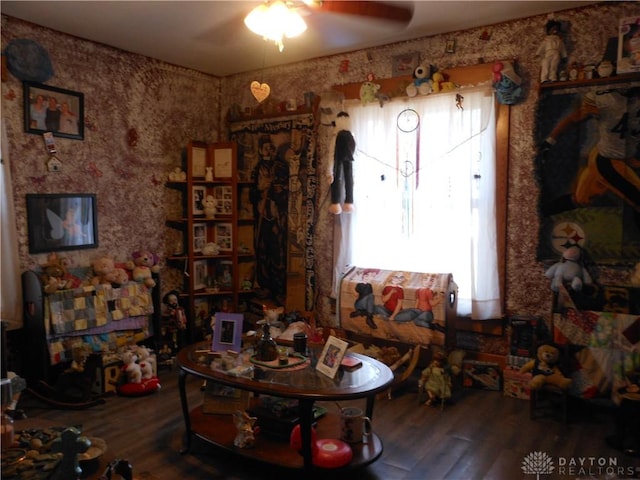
[146, 362]
[544, 368]
[569, 270]
[131, 368]
[422, 82]
[143, 265]
[106, 273]
[54, 274]
[341, 170]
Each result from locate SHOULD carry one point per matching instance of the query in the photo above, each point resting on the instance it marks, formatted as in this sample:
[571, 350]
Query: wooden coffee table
[303, 384]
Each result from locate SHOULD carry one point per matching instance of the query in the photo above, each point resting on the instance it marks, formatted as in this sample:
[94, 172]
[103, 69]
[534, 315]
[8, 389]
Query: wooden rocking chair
[403, 368]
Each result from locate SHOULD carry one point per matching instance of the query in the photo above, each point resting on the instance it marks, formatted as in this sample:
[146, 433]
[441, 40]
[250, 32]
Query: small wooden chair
[551, 400]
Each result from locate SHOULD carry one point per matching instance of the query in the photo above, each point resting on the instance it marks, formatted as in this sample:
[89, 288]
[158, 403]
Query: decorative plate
[97, 449]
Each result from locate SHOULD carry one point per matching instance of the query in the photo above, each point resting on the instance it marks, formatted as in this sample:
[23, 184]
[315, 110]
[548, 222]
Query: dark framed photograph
[62, 221]
[227, 332]
[53, 109]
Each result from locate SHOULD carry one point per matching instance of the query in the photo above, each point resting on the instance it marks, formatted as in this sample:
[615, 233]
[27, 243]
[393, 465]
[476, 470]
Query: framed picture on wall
[53, 109]
[62, 221]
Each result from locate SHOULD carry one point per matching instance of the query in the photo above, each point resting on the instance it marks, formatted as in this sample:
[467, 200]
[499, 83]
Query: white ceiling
[210, 36]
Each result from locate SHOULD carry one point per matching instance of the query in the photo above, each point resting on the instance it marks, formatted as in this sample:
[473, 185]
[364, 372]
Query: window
[426, 199]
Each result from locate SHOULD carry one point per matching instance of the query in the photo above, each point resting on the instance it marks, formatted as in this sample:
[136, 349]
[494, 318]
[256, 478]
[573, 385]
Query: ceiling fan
[401, 12]
[275, 19]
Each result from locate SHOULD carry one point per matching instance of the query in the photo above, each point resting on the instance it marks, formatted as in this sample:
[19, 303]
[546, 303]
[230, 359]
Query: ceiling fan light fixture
[275, 20]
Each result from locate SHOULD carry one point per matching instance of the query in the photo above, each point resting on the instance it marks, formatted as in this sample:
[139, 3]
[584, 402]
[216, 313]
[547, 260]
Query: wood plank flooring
[483, 435]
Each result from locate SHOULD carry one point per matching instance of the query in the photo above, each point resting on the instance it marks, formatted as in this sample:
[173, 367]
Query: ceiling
[209, 36]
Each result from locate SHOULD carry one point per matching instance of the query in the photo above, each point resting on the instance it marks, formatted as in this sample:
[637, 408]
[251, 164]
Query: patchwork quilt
[608, 342]
[101, 317]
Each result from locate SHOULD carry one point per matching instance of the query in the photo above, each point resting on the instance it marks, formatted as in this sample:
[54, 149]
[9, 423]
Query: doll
[342, 169]
[436, 379]
[174, 310]
[551, 50]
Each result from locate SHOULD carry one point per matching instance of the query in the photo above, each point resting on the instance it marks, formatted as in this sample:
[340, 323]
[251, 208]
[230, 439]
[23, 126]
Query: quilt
[91, 307]
[607, 346]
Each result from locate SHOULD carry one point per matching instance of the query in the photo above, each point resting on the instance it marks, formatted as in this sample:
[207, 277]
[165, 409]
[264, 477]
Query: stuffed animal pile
[138, 372]
[54, 274]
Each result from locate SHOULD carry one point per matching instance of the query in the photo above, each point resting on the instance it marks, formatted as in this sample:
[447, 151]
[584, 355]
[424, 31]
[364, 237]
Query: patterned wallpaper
[169, 105]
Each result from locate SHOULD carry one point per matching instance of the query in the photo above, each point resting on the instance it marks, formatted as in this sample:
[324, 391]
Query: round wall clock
[408, 120]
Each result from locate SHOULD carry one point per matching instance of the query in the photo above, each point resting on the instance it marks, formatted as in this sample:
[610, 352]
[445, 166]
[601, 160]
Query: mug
[354, 425]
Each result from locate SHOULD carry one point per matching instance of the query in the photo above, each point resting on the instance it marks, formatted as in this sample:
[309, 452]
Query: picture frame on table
[53, 109]
[199, 274]
[331, 356]
[227, 332]
[61, 221]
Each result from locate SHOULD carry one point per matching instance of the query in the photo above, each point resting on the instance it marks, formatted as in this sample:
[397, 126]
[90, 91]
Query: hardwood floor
[483, 435]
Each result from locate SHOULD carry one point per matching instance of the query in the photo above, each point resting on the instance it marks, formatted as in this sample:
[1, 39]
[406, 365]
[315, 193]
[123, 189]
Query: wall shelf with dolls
[213, 248]
[595, 80]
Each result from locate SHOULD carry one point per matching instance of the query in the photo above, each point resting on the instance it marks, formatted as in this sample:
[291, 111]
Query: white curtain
[11, 287]
[425, 200]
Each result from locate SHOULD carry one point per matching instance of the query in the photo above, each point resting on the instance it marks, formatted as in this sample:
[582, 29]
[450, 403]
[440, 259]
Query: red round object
[145, 387]
[295, 440]
[332, 453]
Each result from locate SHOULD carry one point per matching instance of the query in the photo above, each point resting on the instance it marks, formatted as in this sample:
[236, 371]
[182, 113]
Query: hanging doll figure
[342, 168]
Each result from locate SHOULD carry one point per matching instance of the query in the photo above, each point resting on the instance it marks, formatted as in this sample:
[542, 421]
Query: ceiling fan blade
[396, 12]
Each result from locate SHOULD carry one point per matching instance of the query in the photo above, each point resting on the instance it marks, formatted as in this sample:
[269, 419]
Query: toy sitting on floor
[545, 370]
[132, 382]
[436, 379]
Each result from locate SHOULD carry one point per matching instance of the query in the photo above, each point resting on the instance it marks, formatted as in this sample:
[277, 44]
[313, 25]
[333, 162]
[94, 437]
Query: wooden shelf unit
[212, 282]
